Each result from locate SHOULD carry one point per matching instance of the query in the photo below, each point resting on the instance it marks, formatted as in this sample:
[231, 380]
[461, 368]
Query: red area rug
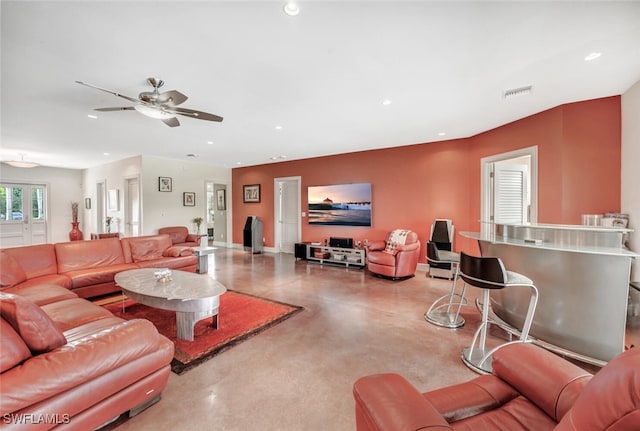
[241, 316]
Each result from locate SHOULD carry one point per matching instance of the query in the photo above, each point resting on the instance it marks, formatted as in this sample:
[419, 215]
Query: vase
[76, 233]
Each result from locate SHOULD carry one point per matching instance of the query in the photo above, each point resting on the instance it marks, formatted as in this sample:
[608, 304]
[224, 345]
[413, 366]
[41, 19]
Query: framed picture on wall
[251, 193]
[189, 199]
[221, 200]
[164, 184]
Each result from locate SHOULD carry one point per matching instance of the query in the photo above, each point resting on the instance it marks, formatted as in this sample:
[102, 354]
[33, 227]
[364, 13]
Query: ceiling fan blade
[171, 122]
[122, 108]
[195, 114]
[172, 98]
[131, 99]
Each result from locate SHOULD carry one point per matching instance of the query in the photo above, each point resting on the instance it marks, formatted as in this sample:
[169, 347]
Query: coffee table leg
[186, 321]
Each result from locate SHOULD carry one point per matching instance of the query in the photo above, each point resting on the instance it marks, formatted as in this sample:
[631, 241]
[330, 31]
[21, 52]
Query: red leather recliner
[531, 389]
[397, 261]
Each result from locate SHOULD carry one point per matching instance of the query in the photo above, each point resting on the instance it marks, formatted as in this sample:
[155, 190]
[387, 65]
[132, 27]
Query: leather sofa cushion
[181, 262]
[14, 351]
[71, 313]
[35, 260]
[34, 326]
[177, 251]
[98, 275]
[76, 255]
[41, 294]
[11, 273]
[57, 279]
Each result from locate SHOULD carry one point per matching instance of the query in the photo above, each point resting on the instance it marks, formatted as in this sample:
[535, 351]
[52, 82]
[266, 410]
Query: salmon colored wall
[578, 162]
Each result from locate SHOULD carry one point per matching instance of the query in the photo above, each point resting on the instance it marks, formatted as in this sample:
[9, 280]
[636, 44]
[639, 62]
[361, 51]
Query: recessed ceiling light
[106, 154]
[210, 142]
[278, 157]
[592, 56]
[92, 116]
[278, 127]
[291, 8]
[441, 134]
[386, 102]
[238, 163]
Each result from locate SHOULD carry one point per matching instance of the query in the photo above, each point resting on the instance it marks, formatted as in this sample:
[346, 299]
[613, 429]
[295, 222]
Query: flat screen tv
[340, 205]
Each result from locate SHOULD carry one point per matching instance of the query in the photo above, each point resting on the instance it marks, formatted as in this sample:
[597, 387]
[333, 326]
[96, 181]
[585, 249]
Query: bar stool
[441, 311]
[488, 273]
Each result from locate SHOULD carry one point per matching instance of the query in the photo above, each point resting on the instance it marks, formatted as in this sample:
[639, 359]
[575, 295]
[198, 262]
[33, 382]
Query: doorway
[509, 187]
[287, 214]
[216, 213]
[132, 207]
[23, 215]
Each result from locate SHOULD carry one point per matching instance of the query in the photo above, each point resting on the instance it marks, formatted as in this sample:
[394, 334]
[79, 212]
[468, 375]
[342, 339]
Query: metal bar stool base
[476, 358]
[444, 318]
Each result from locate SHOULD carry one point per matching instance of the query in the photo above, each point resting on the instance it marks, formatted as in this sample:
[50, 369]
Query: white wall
[65, 186]
[166, 208]
[630, 172]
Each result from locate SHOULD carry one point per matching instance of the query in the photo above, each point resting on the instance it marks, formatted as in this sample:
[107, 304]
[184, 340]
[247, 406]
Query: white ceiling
[321, 75]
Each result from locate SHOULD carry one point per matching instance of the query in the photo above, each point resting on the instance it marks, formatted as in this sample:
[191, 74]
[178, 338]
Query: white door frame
[277, 210]
[486, 190]
[129, 207]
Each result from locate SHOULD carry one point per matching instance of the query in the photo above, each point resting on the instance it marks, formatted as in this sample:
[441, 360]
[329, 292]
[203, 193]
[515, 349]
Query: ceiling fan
[162, 106]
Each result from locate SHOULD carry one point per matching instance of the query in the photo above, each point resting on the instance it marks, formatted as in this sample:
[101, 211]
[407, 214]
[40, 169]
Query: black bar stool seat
[489, 273]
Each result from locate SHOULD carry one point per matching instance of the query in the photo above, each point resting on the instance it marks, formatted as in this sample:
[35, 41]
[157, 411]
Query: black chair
[445, 311]
[488, 273]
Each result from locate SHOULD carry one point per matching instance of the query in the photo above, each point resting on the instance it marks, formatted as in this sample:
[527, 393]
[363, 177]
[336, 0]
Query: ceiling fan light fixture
[153, 112]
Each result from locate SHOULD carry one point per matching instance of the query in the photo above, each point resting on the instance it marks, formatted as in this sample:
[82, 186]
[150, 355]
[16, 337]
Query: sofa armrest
[408, 247]
[389, 402]
[193, 238]
[547, 380]
[376, 245]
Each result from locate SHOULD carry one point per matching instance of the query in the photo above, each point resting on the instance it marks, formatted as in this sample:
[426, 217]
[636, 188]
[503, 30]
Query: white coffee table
[192, 296]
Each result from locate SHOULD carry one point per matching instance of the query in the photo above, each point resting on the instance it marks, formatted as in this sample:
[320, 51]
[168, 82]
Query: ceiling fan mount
[154, 104]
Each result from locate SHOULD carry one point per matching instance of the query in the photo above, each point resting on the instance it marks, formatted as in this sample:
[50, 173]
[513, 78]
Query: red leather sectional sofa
[88, 268]
[65, 362]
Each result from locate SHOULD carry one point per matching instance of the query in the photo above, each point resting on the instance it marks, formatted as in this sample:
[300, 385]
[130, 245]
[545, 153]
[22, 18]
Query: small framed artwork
[189, 199]
[251, 193]
[113, 198]
[221, 200]
[164, 184]
[87, 203]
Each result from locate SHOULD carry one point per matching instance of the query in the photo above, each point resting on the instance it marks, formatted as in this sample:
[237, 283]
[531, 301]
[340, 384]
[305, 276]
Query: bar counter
[582, 275]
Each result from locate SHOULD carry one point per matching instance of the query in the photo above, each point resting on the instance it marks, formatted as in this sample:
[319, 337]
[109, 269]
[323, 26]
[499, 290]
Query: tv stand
[347, 257]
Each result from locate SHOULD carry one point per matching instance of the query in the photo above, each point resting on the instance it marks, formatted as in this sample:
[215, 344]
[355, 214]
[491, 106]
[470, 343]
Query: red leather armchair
[395, 261]
[530, 389]
[180, 236]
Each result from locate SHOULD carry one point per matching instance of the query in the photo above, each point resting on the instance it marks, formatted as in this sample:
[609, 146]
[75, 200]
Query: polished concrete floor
[299, 374]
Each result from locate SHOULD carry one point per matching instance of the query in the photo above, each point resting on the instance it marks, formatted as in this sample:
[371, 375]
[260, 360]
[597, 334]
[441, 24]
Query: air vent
[521, 91]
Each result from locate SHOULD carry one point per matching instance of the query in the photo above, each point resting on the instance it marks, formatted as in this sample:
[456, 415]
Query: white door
[132, 209]
[510, 199]
[287, 215]
[23, 216]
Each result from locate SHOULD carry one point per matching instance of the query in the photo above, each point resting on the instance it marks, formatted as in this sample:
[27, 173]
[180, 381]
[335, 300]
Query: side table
[203, 258]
